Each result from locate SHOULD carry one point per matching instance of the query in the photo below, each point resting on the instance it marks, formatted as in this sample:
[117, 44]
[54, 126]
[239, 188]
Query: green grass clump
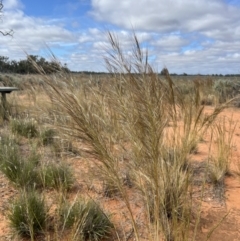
[22, 172]
[57, 176]
[88, 219]
[6, 140]
[26, 128]
[28, 215]
[47, 137]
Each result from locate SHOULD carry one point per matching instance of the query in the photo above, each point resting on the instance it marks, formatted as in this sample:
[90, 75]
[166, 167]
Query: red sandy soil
[214, 211]
[220, 215]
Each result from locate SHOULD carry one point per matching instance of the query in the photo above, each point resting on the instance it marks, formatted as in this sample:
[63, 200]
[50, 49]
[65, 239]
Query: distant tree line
[89, 72]
[165, 71]
[25, 66]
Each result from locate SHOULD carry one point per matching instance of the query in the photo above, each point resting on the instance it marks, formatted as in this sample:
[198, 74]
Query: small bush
[28, 215]
[58, 176]
[26, 128]
[88, 218]
[226, 89]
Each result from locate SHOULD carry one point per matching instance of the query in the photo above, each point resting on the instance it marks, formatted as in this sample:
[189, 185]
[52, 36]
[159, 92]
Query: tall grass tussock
[148, 120]
[113, 158]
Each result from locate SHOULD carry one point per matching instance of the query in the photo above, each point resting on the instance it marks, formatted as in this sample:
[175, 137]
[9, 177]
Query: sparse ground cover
[132, 156]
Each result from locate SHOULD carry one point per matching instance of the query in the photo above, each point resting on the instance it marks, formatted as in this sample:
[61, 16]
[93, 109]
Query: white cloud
[167, 15]
[214, 58]
[30, 33]
[170, 42]
[12, 4]
[193, 36]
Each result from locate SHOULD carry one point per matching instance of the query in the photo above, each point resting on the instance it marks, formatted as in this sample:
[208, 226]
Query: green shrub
[226, 89]
[26, 128]
[28, 215]
[88, 218]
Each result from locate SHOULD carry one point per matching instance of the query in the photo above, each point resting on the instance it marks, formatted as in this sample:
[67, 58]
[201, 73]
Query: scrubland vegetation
[112, 157]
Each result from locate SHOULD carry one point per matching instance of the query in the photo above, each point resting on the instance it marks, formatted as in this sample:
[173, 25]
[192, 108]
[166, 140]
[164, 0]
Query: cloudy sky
[192, 36]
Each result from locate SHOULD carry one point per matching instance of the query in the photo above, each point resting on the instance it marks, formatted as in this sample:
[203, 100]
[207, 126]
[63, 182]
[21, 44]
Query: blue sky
[192, 36]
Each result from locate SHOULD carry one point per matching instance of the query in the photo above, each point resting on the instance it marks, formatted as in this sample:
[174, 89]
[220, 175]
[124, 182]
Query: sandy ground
[223, 216]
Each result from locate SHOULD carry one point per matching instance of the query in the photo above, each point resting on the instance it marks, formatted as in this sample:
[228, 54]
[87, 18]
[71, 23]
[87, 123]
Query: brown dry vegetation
[160, 156]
